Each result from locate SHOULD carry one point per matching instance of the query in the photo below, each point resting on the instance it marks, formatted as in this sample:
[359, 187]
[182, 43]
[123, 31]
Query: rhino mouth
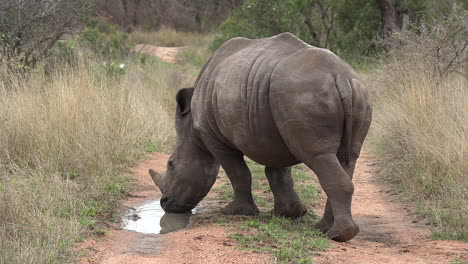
[171, 206]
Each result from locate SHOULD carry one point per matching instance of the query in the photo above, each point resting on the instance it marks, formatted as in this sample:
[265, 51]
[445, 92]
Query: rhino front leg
[241, 181]
[287, 203]
[238, 173]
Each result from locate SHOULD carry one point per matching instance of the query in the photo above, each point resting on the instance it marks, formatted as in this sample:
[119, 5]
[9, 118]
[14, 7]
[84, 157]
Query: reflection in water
[172, 222]
[150, 218]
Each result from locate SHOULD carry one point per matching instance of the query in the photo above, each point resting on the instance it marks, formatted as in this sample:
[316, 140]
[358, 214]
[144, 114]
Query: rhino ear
[184, 99]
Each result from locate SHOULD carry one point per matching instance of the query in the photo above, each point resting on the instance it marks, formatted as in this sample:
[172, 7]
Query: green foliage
[66, 52]
[263, 18]
[350, 28]
[105, 39]
[357, 25]
[342, 26]
[150, 147]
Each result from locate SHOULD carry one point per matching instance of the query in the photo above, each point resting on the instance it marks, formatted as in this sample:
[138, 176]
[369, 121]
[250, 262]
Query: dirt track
[390, 233]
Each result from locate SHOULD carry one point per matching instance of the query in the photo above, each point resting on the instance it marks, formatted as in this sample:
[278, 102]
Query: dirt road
[390, 233]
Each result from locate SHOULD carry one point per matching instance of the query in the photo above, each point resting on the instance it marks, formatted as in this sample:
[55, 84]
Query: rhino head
[191, 169]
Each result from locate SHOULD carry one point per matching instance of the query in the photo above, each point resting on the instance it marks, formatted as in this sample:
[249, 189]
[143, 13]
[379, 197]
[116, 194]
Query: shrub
[29, 29]
[442, 45]
[105, 39]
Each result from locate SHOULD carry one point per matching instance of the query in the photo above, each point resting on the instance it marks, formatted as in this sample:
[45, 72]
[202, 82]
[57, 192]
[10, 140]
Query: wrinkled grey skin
[280, 102]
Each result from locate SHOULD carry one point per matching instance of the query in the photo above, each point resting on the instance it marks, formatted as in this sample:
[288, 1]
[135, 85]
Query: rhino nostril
[164, 200]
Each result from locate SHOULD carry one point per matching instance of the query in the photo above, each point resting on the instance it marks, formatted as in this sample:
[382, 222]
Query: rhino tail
[345, 90]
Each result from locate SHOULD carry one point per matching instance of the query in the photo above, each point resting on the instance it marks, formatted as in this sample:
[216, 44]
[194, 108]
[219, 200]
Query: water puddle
[150, 218]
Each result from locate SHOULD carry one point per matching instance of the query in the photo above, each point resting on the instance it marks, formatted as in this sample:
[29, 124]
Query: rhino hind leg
[287, 203]
[327, 220]
[339, 188]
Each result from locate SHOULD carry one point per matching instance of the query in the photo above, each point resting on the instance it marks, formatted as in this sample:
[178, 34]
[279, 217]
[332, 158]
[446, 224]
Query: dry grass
[420, 129]
[64, 139]
[197, 45]
[421, 120]
[198, 53]
[167, 37]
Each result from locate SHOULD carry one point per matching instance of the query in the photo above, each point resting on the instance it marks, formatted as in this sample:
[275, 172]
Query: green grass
[289, 240]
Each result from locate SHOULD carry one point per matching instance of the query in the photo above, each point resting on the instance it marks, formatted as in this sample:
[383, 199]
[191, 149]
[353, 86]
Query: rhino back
[231, 98]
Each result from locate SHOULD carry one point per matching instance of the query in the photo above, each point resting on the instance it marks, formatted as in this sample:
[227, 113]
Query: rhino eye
[170, 163]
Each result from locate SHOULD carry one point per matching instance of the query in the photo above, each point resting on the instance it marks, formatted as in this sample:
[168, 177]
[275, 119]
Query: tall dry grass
[420, 129]
[168, 37]
[421, 120]
[65, 138]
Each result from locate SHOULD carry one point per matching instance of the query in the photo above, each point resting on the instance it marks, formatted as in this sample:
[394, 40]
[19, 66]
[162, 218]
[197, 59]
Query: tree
[391, 20]
[30, 28]
[344, 26]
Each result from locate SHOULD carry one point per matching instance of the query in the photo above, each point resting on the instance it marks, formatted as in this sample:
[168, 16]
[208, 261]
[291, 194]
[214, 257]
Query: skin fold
[280, 102]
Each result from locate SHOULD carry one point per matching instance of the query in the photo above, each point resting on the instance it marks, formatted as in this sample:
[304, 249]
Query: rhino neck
[197, 140]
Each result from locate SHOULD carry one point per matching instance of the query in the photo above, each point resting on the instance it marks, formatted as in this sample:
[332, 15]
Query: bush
[442, 45]
[29, 29]
[105, 39]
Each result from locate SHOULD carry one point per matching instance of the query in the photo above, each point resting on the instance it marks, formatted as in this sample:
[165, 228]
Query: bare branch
[29, 29]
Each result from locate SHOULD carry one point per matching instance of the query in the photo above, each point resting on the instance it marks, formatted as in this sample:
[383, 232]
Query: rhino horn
[155, 176]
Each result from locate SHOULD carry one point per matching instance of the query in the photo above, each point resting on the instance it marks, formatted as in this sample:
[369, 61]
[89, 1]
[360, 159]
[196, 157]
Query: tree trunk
[390, 18]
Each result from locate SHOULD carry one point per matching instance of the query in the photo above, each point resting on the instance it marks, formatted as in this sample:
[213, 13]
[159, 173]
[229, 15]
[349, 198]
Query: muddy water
[150, 218]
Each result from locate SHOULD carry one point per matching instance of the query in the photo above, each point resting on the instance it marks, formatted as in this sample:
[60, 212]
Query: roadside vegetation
[69, 128]
[421, 121]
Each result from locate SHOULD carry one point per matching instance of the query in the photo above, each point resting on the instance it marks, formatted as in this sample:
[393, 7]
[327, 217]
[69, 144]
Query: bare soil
[390, 232]
[167, 54]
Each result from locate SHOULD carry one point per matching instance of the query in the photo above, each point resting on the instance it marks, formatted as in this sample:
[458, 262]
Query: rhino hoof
[343, 235]
[240, 208]
[294, 210]
[324, 226]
